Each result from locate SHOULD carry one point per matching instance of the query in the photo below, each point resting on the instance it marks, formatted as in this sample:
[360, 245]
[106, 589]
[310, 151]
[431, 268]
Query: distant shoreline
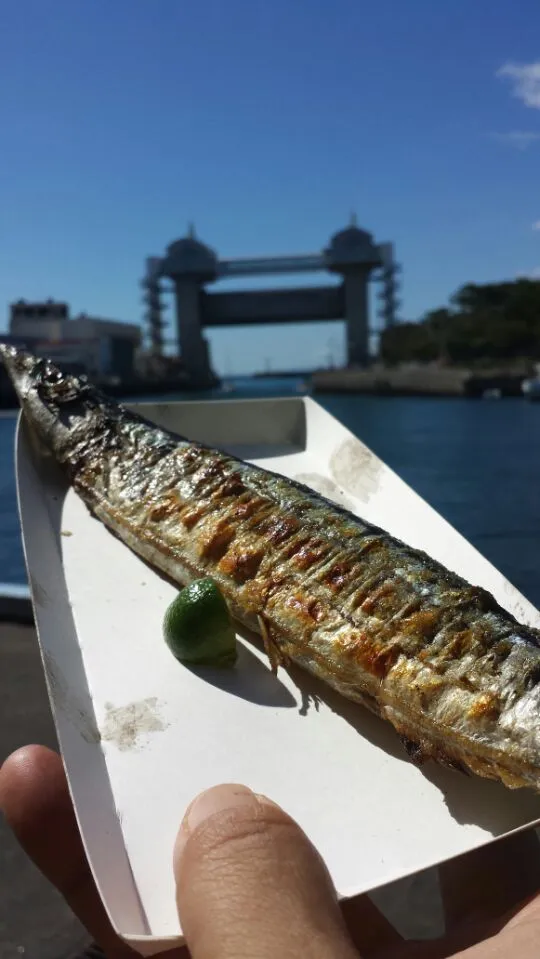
[421, 381]
[281, 375]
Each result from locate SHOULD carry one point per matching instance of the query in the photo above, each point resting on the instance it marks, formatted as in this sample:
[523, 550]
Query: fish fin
[419, 754]
[454, 764]
[414, 751]
[275, 655]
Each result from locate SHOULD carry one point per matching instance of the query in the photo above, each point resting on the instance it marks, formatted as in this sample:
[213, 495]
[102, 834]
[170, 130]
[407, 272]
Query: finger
[249, 883]
[35, 800]
[489, 883]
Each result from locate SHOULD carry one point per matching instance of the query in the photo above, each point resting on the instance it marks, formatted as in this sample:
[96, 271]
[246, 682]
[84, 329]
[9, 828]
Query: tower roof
[352, 246]
[188, 256]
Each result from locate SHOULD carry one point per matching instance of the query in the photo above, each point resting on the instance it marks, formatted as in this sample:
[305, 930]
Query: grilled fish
[456, 675]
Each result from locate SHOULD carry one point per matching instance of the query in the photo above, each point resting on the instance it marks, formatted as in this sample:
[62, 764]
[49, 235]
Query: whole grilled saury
[456, 675]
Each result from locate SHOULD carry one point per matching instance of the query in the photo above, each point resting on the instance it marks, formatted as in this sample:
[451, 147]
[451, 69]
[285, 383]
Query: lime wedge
[198, 628]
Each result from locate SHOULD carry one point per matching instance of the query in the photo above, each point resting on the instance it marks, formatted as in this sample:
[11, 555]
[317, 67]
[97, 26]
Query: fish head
[21, 366]
[48, 397]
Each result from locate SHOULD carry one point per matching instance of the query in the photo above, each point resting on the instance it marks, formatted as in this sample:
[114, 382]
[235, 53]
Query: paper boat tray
[141, 735]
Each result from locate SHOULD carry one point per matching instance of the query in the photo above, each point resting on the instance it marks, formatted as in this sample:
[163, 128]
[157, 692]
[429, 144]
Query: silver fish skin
[388, 627]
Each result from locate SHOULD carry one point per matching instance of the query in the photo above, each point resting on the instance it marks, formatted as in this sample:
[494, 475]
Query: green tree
[492, 322]
[408, 342]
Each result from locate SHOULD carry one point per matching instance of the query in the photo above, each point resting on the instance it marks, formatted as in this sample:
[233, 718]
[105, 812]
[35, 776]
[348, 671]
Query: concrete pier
[35, 922]
[415, 381]
[428, 380]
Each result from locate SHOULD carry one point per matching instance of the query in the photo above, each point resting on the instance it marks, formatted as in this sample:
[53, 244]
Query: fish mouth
[31, 374]
[18, 363]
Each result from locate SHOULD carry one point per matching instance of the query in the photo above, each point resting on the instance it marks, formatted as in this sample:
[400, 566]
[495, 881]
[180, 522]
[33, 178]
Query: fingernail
[265, 801]
[215, 800]
[207, 804]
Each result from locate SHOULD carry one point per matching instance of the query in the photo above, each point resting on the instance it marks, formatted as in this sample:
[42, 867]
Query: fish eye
[48, 374]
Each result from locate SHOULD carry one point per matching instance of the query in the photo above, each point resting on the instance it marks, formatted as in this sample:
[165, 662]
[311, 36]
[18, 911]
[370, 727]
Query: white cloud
[536, 225]
[525, 78]
[519, 139]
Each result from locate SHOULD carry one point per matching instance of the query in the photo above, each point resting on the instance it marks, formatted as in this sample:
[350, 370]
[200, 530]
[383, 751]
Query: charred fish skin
[456, 675]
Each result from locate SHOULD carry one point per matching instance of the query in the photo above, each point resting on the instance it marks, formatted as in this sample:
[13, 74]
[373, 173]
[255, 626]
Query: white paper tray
[141, 735]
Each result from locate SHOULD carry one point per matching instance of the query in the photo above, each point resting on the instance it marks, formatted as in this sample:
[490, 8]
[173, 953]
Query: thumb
[250, 885]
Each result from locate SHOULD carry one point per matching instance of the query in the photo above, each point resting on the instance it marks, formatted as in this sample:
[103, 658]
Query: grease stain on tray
[326, 487]
[356, 469]
[125, 726]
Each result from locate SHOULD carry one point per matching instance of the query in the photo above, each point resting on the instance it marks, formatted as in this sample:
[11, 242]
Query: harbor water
[476, 461]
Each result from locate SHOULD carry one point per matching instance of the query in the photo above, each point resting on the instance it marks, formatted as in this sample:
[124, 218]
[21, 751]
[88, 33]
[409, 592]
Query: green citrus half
[198, 628]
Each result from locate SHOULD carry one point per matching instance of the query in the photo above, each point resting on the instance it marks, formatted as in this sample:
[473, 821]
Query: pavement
[34, 921]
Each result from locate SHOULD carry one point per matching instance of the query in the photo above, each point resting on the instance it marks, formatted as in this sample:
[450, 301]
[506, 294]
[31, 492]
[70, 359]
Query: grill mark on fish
[242, 564]
[457, 676]
[319, 569]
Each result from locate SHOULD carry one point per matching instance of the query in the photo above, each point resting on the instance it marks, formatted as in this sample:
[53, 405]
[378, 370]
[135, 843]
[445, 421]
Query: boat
[493, 394]
[531, 388]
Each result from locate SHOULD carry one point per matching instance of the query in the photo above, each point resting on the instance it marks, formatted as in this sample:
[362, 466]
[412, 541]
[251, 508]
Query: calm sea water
[476, 461]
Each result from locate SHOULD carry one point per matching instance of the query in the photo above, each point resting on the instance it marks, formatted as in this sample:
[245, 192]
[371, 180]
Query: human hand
[250, 884]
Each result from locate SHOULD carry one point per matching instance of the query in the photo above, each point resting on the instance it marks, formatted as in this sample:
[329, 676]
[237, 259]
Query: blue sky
[265, 123]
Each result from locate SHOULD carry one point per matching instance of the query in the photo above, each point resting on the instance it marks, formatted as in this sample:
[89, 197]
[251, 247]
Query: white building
[101, 347]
